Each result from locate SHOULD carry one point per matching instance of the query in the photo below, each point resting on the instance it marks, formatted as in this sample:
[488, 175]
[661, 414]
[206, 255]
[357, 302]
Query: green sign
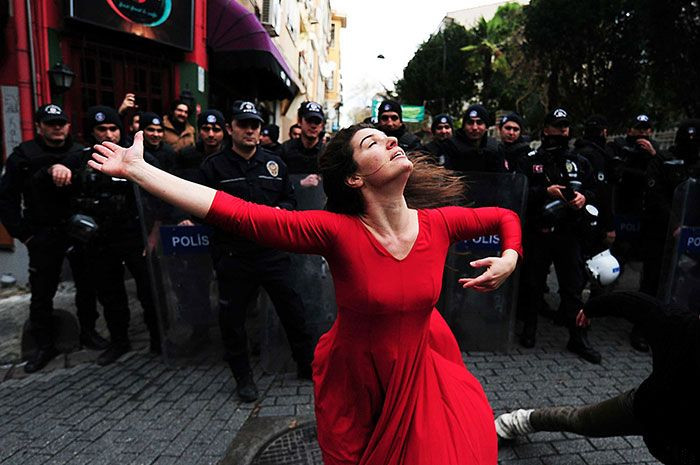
[410, 113]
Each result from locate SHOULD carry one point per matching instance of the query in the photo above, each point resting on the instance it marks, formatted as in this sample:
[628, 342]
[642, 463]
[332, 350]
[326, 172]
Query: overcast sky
[393, 28]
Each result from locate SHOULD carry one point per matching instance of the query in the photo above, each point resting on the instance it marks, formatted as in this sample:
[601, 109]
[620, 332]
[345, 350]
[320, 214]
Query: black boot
[113, 352]
[578, 344]
[246, 388]
[91, 339]
[637, 339]
[40, 359]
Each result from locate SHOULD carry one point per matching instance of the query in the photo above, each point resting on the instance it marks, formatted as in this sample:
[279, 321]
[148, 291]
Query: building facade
[275, 52]
[80, 53]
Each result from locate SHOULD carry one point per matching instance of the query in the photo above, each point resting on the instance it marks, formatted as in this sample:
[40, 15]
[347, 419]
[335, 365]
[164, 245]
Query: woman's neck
[388, 214]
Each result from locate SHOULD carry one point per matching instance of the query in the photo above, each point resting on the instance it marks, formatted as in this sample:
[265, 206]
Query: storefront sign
[165, 21]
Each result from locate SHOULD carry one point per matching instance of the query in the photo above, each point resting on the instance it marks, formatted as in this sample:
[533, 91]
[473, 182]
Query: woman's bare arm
[128, 163]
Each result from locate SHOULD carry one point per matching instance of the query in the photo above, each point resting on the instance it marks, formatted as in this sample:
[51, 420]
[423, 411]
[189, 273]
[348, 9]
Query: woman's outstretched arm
[128, 163]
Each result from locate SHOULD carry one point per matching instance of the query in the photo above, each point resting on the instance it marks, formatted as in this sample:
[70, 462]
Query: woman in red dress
[390, 385]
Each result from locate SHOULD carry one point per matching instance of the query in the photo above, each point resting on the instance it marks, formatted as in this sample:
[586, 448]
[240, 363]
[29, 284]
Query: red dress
[390, 385]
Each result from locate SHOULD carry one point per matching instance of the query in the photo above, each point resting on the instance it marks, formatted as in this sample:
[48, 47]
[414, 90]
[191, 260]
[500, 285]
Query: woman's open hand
[115, 160]
[498, 269]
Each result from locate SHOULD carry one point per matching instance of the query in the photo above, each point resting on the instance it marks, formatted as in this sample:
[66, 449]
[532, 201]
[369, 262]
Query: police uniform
[118, 244]
[664, 173]
[35, 211]
[467, 155]
[242, 266]
[553, 235]
[300, 159]
[406, 139]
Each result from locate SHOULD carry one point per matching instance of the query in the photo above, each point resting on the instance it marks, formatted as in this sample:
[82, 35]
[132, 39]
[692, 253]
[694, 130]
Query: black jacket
[407, 140]
[464, 155]
[438, 149]
[299, 159]
[29, 200]
[546, 167]
[263, 179]
[666, 399]
[113, 204]
[629, 168]
[600, 156]
[514, 152]
[274, 147]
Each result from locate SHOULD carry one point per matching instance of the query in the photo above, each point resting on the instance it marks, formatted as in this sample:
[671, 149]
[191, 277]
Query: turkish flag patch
[538, 168]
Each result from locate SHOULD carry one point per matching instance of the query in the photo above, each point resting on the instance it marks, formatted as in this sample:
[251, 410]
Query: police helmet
[603, 268]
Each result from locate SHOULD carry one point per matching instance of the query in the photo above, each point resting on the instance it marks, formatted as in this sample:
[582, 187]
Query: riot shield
[311, 278]
[680, 279]
[182, 281]
[482, 321]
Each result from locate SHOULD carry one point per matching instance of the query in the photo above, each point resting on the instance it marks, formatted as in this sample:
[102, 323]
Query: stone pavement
[142, 411]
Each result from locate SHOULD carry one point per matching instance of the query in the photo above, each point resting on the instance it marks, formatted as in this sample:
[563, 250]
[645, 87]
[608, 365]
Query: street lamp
[61, 78]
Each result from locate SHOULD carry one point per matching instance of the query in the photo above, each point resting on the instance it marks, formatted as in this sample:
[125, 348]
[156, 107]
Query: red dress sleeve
[467, 223]
[309, 231]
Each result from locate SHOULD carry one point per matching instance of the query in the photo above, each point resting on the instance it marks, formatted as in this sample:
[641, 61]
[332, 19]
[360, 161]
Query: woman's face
[378, 157]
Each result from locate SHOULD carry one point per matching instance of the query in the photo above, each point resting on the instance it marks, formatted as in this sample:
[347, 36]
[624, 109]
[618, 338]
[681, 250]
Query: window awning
[241, 45]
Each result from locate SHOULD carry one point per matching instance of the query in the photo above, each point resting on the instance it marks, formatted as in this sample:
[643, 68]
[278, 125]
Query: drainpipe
[32, 59]
[27, 94]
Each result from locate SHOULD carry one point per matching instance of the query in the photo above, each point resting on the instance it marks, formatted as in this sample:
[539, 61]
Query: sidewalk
[142, 411]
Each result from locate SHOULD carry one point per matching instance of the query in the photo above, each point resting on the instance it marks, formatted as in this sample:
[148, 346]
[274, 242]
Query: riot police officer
[513, 144]
[252, 173]
[390, 122]
[301, 154]
[471, 149]
[34, 207]
[269, 138]
[664, 174]
[153, 140]
[560, 184]
[441, 127]
[118, 242]
[593, 147]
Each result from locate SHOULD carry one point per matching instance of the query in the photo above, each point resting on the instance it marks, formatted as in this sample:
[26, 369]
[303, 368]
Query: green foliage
[437, 74]
[617, 57]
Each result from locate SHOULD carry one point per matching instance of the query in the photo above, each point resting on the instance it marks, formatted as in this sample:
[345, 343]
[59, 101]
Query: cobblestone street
[142, 411]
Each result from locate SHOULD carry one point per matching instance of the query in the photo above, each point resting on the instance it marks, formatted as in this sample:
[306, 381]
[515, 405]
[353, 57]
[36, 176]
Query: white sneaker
[513, 424]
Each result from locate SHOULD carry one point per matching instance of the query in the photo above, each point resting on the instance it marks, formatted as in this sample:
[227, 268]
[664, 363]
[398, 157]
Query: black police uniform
[466, 155]
[599, 155]
[664, 174]
[407, 140]
[629, 166]
[438, 150]
[555, 239]
[242, 266]
[274, 147]
[118, 243]
[35, 211]
[514, 152]
[300, 159]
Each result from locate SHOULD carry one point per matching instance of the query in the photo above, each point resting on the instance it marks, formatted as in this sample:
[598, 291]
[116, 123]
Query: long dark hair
[429, 185]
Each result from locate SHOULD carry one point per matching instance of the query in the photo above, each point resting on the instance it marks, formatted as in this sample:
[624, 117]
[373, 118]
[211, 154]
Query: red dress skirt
[390, 385]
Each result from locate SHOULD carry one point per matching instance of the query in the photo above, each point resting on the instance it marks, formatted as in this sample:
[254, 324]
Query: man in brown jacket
[178, 133]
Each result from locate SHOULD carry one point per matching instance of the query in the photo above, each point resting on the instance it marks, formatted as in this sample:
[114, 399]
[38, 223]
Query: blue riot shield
[483, 321]
[182, 281]
[680, 280]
